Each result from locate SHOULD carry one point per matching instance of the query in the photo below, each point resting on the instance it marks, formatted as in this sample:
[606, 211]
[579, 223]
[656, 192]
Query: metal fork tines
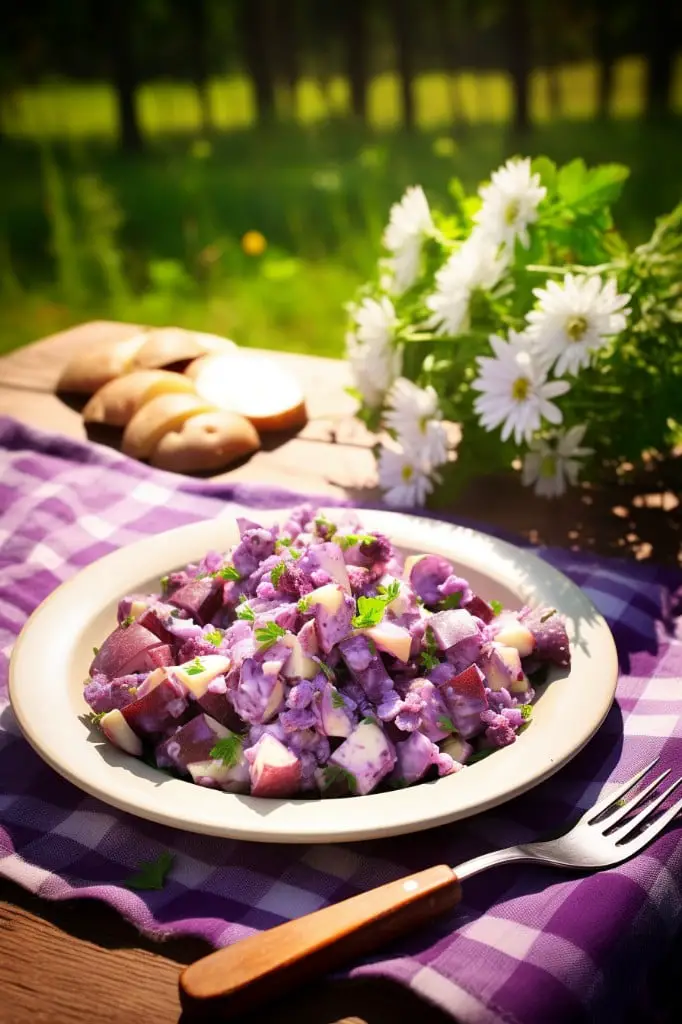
[606, 834]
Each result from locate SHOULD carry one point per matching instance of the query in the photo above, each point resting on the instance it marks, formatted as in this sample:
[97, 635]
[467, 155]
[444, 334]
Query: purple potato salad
[312, 659]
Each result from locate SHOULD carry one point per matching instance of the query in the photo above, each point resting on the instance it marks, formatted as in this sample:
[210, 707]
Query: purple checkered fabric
[526, 944]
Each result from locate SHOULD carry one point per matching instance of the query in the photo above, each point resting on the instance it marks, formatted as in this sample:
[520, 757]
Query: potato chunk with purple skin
[275, 771]
[192, 742]
[368, 755]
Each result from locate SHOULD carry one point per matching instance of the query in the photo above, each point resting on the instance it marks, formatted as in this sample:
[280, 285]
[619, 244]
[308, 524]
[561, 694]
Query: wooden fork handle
[247, 974]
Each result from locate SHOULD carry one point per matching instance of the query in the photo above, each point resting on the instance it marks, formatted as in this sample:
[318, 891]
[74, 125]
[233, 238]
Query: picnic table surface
[78, 961]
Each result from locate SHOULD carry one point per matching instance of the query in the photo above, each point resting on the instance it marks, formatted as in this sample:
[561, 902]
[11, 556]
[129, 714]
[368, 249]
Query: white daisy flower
[515, 392]
[375, 361]
[404, 477]
[549, 464]
[414, 414]
[409, 221]
[478, 263]
[574, 319]
[510, 203]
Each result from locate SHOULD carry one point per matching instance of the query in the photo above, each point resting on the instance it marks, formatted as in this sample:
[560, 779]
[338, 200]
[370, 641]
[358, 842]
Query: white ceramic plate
[52, 656]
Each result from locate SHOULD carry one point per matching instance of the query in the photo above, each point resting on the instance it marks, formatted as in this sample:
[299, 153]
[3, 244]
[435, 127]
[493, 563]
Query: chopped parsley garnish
[303, 605]
[228, 750]
[295, 554]
[368, 720]
[195, 668]
[548, 614]
[165, 580]
[276, 573]
[324, 528]
[429, 656]
[480, 755]
[287, 542]
[372, 646]
[370, 612]
[527, 711]
[175, 614]
[349, 540]
[95, 717]
[95, 651]
[391, 592]
[152, 873]
[335, 773]
[128, 621]
[228, 572]
[451, 601]
[337, 699]
[268, 635]
[326, 669]
[496, 606]
[245, 611]
[444, 722]
[215, 637]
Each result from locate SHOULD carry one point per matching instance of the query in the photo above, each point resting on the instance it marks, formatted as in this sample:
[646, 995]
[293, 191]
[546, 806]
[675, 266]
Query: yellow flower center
[548, 467]
[520, 389]
[576, 327]
[254, 243]
[406, 473]
[512, 211]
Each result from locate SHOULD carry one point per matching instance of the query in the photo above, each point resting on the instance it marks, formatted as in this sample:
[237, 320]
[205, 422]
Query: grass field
[86, 232]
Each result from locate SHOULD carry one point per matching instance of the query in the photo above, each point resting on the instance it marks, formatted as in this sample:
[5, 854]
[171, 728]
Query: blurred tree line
[276, 42]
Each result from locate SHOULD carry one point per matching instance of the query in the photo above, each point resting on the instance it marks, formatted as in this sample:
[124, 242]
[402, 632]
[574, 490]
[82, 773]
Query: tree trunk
[660, 38]
[355, 33]
[119, 24]
[517, 31]
[404, 31]
[255, 30]
[197, 23]
[287, 46]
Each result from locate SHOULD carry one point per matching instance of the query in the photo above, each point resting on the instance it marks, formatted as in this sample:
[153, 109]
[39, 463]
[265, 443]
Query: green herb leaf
[480, 755]
[548, 615]
[527, 711]
[368, 720]
[284, 542]
[228, 572]
[323, 667]
[175, 614]
[444, 722]
[152, 873]
[95, 651]
[303, 605]
[370, 612]
[391, 592]
[165, 580]
[215, 637]
[95, 717]
[195, 668]
[335, 773]
[451, 601]
[324, 528]
[128, 621]
[268, 635]
[228, 750]
[429, 656]
[337, 699]
[245, 611]
[496, 606]
[276, 573]
[349, 540]
[295, 553]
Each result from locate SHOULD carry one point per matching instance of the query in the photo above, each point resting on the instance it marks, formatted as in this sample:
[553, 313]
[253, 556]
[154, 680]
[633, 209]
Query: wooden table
[78, 961]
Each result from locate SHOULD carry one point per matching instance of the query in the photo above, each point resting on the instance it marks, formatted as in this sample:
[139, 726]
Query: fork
[245, 975]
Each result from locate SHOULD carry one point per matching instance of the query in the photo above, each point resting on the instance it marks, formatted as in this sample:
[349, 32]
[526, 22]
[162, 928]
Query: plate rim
[297, 826]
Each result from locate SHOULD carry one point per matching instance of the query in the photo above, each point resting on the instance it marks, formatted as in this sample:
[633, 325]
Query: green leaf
[95, 651]
[526, 711]
[335, 773]
[586, 190]
[276, 573]
[354, 393]
[165, 580]
[570, 180]
[496, 606]
[349, 540]
[391, 592]
[370, 612]
[268, 635]
[228, 572]
[444, 722]
[95, 717]
[368, 720]
[303, 605]
[245, 611]
[128, 621]
[324, 528]
[151, 873]
[480, 755]
[325, 669]
[196, 668]
[337, 699]
[546, 168]
[228, 749]
[451, 601]
[215, 637]
[548, 615]
[429, 656]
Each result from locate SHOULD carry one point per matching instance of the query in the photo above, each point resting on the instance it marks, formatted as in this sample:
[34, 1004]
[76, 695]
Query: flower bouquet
[522, 316]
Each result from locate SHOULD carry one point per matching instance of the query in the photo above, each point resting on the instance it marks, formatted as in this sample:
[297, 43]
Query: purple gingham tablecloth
[526, 945]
